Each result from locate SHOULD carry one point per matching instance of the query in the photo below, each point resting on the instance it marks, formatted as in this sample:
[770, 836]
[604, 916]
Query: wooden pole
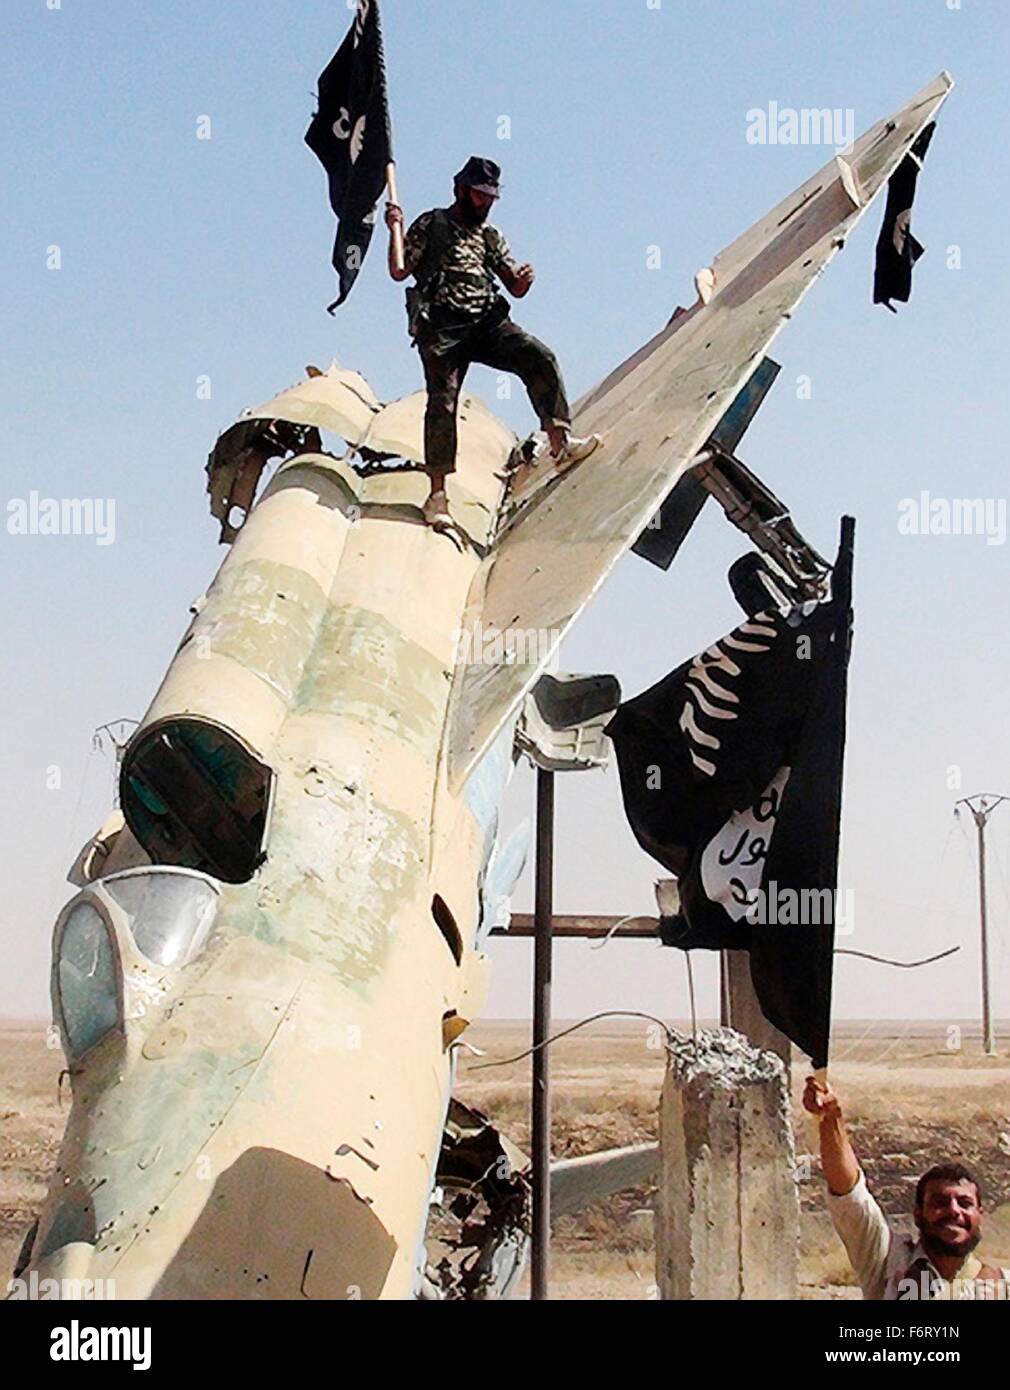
[814, 1122]
[398, 230]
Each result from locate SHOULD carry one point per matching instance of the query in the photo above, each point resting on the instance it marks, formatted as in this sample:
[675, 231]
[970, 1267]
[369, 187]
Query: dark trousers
[503, 346]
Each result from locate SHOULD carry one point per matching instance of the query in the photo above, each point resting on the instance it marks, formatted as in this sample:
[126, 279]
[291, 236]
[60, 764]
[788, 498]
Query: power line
[900, 964]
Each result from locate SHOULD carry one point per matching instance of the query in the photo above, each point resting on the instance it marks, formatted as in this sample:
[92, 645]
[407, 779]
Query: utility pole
[981, 812]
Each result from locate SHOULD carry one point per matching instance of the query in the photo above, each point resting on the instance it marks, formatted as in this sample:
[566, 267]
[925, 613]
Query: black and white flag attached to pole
[731, 773]
[897, 249]
[350, 134]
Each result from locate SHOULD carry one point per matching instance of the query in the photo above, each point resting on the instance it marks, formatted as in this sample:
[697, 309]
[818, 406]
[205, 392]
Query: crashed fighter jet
[275, 948]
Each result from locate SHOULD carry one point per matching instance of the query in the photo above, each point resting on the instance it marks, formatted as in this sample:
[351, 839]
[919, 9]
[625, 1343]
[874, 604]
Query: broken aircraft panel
[479, 1229]
[668, 528]
[342, 403]
[562, 722]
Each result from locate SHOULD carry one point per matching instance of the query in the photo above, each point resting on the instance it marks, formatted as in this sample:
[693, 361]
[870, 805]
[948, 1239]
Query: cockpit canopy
[86, 980]
[146, 917]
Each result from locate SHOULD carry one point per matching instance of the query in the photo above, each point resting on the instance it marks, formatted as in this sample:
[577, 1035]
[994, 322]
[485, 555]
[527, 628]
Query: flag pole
[398, 229]
[841, 593]
[814, 1122]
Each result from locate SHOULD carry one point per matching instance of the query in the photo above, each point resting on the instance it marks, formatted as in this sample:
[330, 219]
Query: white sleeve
[865, 1234]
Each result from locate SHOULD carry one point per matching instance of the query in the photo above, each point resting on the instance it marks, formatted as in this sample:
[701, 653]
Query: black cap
[482, 174]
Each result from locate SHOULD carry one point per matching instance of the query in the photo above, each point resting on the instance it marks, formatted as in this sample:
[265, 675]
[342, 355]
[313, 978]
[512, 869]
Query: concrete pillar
[727, 1218]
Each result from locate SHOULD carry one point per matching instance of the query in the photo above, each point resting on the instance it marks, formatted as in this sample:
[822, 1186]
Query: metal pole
[541, 1116]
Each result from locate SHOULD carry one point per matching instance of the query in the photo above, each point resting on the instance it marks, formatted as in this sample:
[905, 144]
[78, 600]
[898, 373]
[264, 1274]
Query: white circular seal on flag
[733, 861]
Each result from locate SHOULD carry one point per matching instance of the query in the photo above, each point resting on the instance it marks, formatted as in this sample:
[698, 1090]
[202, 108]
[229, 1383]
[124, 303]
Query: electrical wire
[901, 964]
[598, 945]
[671, 1035]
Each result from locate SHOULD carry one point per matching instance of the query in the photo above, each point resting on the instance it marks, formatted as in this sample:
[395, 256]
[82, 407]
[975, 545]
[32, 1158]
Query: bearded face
[949, 1220]
[474, 207]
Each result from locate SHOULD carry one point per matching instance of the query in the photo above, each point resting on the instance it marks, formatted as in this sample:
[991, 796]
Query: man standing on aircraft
[947, 1213]
[457, 316]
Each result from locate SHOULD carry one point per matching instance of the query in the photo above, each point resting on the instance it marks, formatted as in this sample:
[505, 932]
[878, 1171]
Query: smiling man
[948, 1216]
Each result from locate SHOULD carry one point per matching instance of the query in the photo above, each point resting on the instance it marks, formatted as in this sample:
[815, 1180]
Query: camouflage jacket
[454, 265]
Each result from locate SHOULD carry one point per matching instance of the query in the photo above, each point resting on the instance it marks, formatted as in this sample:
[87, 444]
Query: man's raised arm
[855, 1213]
[838, 1157]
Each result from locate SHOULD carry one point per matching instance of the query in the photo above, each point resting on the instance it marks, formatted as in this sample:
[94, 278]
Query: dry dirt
[910, 1098]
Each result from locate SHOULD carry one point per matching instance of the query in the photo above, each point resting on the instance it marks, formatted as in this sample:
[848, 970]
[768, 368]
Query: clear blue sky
[183, 258]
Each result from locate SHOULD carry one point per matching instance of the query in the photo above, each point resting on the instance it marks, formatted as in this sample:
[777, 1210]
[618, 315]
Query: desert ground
[913, 1092]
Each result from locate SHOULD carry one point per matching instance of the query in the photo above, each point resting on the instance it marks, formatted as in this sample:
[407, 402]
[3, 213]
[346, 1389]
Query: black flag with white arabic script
[731, 773]
[897, 249]
[350, 134]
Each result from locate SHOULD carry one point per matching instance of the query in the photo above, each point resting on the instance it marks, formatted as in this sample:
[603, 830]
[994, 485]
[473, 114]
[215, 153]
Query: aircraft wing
[655, 411]
[578, 1182]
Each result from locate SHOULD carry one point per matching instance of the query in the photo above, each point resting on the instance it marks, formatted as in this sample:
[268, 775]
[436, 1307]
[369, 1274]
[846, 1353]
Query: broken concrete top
[727, 1210]
[721, 1058]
